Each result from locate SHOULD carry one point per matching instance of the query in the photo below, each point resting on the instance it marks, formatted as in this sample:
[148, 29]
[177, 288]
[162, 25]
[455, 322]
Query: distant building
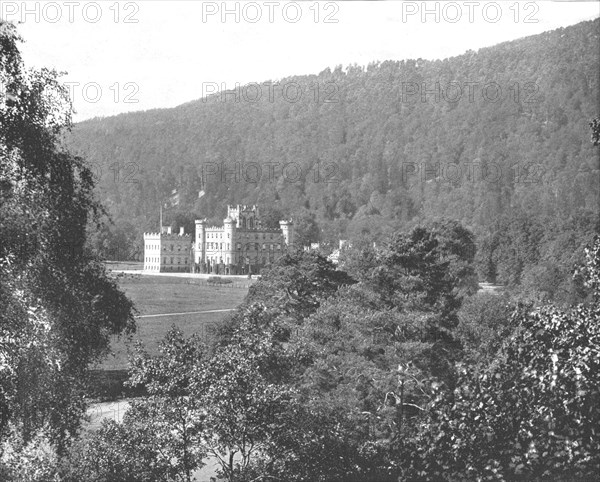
[334, 257]
[242, 245]
[167, 252]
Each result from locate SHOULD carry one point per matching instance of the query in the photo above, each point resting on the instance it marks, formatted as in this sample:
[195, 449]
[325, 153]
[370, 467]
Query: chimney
[181, 231]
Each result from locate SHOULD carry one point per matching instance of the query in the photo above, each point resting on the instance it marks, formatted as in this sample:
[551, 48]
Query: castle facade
[165, 251]
[241, 246]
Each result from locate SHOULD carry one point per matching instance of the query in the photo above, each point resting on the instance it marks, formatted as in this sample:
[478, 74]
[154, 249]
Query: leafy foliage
[533, 414]
[58, 306]
[161, 436]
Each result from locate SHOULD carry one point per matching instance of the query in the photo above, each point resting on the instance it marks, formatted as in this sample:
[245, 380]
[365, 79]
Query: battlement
[259, 230]
[176, 236]
[243, 230]
[167, 236]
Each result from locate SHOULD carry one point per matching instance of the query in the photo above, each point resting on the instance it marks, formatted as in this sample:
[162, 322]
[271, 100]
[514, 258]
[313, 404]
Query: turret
[287, 228]
[229, 226]
[200, 241]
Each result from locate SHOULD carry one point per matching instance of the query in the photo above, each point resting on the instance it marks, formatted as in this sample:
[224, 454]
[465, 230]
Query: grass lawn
[163, 295]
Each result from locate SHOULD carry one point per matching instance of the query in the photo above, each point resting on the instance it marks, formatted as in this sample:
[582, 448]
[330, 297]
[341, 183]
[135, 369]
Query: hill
[502, 145]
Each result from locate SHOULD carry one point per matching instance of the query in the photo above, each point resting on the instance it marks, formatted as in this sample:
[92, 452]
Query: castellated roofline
[169, 236]
[243, 230]
[260, 230]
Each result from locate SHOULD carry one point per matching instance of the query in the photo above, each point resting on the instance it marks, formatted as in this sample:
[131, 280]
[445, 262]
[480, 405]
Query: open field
[183, 302]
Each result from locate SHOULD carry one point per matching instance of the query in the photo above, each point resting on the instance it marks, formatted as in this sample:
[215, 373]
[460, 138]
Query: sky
[126, 56]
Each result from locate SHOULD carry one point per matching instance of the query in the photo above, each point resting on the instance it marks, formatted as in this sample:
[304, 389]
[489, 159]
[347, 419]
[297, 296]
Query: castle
[165, 251]
[241, 246]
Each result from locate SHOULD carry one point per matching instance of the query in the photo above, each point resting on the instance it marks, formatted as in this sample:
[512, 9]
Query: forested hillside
[503, 148]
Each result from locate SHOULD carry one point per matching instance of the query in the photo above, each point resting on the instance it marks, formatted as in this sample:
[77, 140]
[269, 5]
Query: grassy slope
[157, 295]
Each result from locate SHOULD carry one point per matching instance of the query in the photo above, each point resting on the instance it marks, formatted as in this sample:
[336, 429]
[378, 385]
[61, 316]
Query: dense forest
[503, 147]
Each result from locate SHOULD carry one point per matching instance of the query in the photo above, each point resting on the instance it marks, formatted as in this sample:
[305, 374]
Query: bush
[217, 280]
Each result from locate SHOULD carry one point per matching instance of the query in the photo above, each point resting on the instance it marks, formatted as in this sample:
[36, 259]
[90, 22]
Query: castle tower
[229, 226]
[287, 228]
[200, 241]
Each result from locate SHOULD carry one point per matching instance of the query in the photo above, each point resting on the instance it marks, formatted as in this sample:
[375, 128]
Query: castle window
[271, 246]
[171, 260]
[278, 247]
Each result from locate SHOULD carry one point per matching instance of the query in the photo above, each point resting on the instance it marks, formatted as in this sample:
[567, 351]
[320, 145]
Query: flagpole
[161, 227]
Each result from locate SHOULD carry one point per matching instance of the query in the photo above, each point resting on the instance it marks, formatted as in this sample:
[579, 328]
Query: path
[186, 313]
[490, 288]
